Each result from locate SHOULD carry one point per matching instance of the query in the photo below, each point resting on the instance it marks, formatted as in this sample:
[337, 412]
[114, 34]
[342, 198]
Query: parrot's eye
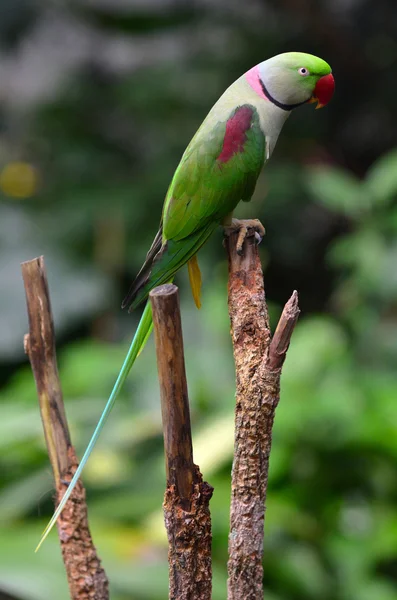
[303, 71]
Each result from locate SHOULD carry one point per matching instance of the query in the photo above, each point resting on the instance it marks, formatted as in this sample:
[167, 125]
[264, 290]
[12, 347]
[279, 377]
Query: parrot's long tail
[141, 336]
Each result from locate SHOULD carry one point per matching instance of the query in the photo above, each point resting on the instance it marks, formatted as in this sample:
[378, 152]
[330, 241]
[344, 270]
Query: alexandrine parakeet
[219, 168]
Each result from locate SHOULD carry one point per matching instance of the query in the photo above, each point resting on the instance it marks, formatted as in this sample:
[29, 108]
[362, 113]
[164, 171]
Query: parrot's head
[293, 78]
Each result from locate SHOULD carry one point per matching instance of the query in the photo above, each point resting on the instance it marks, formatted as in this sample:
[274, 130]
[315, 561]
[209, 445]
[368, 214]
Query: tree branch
[87, 579]
[258, 360]
[186, 501]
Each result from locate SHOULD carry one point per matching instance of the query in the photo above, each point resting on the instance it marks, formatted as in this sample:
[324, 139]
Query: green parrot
[219, 168]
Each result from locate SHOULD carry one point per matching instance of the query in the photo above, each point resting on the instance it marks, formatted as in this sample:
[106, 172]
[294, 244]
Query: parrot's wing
[219, 168]
[144, 273]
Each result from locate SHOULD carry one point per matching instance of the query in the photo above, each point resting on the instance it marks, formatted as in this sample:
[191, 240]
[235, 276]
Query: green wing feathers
[219, 168]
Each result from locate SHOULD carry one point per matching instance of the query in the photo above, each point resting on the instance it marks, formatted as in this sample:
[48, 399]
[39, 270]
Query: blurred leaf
[31, 576]
[381, 590]
[381, 180]
[18, 498]
[303, 571]
[337, 190]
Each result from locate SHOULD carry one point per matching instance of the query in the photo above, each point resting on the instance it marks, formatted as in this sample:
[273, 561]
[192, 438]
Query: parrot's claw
[242, 226]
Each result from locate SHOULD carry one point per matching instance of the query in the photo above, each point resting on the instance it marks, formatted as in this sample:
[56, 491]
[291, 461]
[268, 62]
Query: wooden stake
[87, 579]
[258, 360]
[186, 501]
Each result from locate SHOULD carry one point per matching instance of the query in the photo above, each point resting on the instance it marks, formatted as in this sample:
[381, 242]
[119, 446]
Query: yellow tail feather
[195, 280]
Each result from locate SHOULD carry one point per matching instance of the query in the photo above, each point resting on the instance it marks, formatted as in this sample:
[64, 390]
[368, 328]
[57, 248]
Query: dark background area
[98, 100]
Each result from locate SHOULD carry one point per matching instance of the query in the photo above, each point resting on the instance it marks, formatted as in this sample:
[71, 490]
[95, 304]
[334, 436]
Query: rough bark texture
[186, 501]
[87, 579]
[258, 362]
[189, 542]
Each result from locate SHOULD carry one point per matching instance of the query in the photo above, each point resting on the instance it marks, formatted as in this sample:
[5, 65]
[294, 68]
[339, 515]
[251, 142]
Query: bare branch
[258, 361]
[86, 577]
[187, 496]
[282, 336]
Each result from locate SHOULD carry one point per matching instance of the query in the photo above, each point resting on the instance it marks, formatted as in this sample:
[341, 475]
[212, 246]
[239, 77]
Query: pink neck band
[252, 76]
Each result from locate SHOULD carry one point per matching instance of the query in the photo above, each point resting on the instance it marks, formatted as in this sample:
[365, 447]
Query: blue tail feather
[141, 336]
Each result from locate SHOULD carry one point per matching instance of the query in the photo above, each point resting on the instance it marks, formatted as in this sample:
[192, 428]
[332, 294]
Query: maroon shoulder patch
[236, 133]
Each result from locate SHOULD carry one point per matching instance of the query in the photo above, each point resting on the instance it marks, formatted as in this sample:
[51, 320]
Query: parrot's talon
[65, 482]
[243, 227]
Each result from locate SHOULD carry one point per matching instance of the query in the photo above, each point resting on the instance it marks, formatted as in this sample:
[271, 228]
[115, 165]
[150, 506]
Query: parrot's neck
[262, 82]
[272, 116]
[254, 80]
[246, 90]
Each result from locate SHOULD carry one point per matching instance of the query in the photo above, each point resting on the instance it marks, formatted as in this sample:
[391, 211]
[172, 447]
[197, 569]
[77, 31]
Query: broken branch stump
[186, 501]
[258, 360]
[86, 578]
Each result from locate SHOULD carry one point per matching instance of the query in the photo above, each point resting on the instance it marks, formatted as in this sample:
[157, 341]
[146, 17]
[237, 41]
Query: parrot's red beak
[323, 91]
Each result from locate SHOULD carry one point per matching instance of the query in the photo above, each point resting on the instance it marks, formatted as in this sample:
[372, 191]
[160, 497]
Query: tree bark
[258, 359]
[86, 578]
[186, 501]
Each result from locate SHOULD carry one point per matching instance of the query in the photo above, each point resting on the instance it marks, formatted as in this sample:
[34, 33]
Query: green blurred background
[98, 99]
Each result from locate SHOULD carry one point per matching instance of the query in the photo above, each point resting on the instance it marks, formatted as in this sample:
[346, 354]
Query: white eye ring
[303, 71]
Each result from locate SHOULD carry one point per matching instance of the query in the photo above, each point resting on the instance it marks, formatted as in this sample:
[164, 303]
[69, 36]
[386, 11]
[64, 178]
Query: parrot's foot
[242, 226]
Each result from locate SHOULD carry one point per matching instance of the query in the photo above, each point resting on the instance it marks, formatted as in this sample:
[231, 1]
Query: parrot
[218, 169]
